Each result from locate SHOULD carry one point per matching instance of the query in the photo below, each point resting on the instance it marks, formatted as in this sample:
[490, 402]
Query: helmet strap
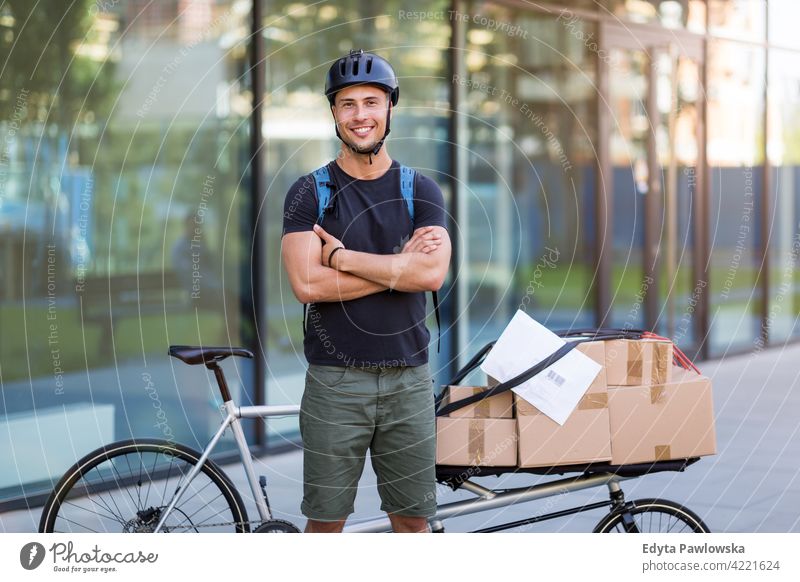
[378, 145]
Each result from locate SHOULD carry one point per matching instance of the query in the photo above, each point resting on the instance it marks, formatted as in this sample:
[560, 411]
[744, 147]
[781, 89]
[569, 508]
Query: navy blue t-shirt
[384, 329]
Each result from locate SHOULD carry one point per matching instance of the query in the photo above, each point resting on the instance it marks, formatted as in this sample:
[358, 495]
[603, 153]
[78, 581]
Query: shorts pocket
[327, 376]
[421, 375]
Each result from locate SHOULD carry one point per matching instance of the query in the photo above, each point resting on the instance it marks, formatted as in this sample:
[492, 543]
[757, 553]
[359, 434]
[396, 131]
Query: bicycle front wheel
[126, 487]
[652, 516]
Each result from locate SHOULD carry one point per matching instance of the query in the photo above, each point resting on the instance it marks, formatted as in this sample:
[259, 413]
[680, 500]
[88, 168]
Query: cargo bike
[152, 485]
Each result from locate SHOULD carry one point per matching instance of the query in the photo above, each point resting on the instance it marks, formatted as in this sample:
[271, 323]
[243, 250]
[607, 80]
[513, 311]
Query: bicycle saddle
[195, 355]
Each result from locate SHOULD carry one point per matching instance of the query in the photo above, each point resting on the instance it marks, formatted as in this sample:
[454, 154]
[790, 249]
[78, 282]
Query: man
[364, 272]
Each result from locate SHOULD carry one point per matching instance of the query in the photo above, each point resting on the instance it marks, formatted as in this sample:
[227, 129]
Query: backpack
[323, 183]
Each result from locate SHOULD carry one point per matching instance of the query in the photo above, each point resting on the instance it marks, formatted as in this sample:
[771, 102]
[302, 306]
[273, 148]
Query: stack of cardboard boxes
[639, 409]
[483, 434]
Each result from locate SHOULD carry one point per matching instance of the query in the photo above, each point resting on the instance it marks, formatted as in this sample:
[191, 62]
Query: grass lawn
[28, 344]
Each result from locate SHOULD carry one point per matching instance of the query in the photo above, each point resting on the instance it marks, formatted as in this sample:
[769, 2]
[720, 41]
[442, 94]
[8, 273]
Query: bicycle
[153, 485]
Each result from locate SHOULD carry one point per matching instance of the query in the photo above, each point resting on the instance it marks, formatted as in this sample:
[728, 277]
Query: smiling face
[360, 113]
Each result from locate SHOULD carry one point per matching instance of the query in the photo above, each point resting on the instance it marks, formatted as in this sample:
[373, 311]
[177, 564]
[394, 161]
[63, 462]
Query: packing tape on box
[476, 437]
[482, 408]
[635, 357]
[662, 453]
[593, 401]
[657, 394]
[661, 360]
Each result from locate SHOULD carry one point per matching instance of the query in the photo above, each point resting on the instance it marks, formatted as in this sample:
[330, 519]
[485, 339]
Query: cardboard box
[638, 362]
[596, 351]
[658, 422]
[594, 399]
[499, 406]
[486, 442]
[584, 438]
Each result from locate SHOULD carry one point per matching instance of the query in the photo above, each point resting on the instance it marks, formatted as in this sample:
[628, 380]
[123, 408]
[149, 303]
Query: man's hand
[311, 281]
[420, 266]
[329, 244]
[425, 240]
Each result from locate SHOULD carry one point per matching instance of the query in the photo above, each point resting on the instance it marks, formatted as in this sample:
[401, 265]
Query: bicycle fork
[619, 504]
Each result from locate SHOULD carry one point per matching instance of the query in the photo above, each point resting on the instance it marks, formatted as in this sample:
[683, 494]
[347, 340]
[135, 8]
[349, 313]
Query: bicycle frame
[233, 416]
[486, 499]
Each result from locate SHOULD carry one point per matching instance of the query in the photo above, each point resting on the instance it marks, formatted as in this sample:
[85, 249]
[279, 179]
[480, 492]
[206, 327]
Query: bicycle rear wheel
[652, 516]
[126, 486]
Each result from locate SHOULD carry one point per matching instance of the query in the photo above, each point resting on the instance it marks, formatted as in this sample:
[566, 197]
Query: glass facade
[127, 190]
[122, 224]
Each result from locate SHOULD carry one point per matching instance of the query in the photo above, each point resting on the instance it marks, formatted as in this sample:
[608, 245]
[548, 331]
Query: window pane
[300, 137]
[124, 148]
[783, 18]
[784, 157]
[529, 114]
[736, 166]
[669, 13]
[630, 130]
[744, 19]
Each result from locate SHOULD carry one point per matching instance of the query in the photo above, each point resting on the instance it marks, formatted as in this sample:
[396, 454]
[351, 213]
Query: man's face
[360, 113]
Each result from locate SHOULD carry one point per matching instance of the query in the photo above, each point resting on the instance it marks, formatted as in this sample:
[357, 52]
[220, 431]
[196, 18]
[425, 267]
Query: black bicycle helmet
[360, 68]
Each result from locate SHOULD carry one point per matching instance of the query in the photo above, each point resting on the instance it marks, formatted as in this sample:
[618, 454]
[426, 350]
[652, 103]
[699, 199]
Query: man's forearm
[411, 272]
[327, 285]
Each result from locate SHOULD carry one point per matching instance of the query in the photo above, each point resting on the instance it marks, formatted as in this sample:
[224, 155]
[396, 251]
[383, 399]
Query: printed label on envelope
[556, 390]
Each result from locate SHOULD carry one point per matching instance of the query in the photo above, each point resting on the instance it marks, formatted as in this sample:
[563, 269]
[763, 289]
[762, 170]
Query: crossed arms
[420, 266]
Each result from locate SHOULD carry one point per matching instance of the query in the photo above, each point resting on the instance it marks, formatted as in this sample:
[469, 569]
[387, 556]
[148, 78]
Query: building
[624, 163]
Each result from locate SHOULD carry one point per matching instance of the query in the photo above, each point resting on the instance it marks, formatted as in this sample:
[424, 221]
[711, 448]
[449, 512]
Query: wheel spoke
[102, 497]
[118, 518]
[105, 485]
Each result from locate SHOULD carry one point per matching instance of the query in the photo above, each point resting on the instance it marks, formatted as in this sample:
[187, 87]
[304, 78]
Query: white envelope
[557, 389]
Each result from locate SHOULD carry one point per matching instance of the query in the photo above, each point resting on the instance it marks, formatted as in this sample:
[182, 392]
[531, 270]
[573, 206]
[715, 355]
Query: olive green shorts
[346, 411]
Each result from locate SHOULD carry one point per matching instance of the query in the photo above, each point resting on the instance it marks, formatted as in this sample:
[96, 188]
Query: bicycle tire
[671, 518]
[110, 489]
[277, 526]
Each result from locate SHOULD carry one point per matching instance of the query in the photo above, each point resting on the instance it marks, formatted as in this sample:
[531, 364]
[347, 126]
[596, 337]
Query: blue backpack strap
[407, 188]
[322, 178]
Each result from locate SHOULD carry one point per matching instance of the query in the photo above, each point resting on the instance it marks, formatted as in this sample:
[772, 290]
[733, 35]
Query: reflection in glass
[783, 18]
[630, 129]
[735, 160]
[744, 19]
[678, 98]
[783, 149]
[124, 145]
[689, 14]
[530, 171]
[299, 132]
